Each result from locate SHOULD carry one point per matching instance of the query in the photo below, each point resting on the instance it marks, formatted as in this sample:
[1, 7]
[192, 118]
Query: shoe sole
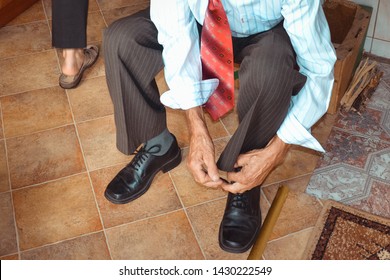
[238, 250]
[165, 168]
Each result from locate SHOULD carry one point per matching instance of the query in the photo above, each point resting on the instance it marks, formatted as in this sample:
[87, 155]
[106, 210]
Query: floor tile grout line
[61, 241]
[291, 234]
[265, 197]
[188, 218]
[88, 172]
[56, 127]
[20, 92]
[100, 216]
[227, 131]
[27, 54]
[262, 191]
[38, 131]
[219, 199]
[30, 51]
[10, 186]
[86, 165]
[206, 202]
[61, 178]
[25, 23]
[219, 139]
[288, 179]
[49, 86]
[319, 201]
[49, 181]
[50, 33]
[120, 7]
[65, 177]
[40, 51]
[110, 165]
[44, 11]
[94, 119]
[101, 12]
[143, 219]
[33, 89]
[9, 255]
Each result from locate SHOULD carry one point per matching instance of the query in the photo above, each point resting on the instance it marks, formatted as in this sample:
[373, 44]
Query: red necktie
[217, 59]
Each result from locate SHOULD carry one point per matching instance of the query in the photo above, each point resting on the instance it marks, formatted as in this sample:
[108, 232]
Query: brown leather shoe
[91, 54]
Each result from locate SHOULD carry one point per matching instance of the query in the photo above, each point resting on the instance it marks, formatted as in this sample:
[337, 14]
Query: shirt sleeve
[306, 25]
[178, 34]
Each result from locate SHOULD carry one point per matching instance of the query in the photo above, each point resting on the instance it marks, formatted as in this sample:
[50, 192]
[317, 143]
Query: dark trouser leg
[268, 78]
[133, 58]
[267, 81]
[69, 23]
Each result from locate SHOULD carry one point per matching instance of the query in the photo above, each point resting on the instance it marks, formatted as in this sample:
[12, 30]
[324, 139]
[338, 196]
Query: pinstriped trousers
[268, 78]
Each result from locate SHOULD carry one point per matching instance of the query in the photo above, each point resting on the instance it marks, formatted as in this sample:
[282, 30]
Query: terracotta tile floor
[57, 154]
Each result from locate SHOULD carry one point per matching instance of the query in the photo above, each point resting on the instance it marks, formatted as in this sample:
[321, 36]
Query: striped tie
[217, 59]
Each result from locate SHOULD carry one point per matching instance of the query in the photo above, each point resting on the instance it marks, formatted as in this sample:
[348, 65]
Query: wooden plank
[348, 51]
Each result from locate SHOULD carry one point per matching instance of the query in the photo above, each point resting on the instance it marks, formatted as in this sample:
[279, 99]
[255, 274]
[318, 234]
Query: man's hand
[201, 157]
[255, 166]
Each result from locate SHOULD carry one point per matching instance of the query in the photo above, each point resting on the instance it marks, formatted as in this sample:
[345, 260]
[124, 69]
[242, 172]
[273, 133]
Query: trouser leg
[133, 58]
[69, 27]
[268, 79]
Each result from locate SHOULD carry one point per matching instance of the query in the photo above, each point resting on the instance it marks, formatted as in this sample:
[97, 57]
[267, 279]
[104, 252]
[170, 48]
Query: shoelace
[240, 201]
[142, 154]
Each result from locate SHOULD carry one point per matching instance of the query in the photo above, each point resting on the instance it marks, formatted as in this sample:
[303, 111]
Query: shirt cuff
[293, 132]
[188, 96]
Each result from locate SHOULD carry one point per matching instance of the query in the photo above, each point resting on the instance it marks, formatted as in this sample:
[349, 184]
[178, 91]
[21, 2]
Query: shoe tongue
[143, 154]
[239, 202]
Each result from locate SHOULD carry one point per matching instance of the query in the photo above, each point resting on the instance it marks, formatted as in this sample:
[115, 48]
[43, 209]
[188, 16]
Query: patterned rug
[355, 170]
[345, 233]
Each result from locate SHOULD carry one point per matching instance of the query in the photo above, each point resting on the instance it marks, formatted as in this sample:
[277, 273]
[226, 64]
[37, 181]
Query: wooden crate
[348, 23]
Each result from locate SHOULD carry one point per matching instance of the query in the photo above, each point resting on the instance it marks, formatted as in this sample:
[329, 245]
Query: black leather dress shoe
[135, 179]
[241, 222]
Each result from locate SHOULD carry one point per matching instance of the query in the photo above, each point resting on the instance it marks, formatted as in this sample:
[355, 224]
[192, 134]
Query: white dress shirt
[306, 25]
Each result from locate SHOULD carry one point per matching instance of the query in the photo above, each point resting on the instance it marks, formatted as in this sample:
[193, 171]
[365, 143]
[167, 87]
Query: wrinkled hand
[201, 156]
[255, 166]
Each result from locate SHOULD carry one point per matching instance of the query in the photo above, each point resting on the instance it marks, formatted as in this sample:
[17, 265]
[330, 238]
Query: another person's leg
[133, 58]
[268, 78]
[70, 34]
